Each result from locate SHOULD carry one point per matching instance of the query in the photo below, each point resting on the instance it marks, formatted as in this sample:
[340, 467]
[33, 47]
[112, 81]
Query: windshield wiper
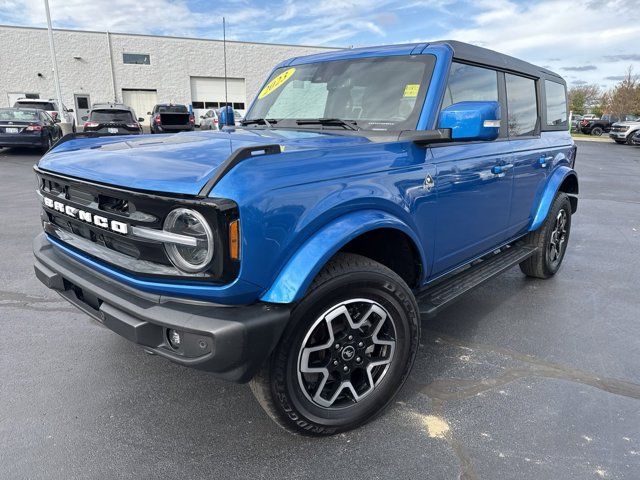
[337, 122]
[269, 123]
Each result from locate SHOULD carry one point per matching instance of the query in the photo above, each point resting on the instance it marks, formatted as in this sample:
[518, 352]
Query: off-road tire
[597, 131]
[346, 277]
[539, 264]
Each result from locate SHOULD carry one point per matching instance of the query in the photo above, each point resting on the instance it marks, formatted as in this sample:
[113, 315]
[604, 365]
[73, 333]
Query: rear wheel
[47, 145]
[597, 131]
[551, 239]
[348, 350]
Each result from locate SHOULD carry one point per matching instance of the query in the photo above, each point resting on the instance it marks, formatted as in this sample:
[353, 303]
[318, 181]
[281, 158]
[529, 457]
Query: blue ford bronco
[365, 188]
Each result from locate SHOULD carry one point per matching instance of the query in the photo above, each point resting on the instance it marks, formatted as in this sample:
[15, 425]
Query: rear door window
[111, 116]
[468, 83]
[522, 106]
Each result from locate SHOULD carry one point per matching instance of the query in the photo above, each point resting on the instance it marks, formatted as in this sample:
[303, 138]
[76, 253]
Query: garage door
[207, 93]
[142, 101]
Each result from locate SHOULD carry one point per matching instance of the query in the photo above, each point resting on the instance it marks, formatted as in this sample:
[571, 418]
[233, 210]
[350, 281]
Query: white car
[622, 132]
[68, 120]
[209, 121]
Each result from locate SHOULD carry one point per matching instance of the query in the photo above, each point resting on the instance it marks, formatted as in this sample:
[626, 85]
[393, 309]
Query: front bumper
[618, 135]
[231, 342]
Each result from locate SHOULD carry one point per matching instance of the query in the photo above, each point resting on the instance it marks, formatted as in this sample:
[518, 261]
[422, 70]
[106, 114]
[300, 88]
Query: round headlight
[188, 258]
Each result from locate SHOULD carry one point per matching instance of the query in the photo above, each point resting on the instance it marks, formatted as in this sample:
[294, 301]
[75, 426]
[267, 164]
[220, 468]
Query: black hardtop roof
[474, 54]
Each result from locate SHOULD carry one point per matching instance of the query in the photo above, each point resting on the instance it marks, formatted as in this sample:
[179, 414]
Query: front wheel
[597, 131]
[348, 349]
[551, 239]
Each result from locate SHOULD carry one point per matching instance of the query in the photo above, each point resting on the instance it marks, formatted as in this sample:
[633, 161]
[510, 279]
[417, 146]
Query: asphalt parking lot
[522, 378]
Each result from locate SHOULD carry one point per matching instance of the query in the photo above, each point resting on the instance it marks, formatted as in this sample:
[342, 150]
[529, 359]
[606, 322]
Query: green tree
[584, 98]
[624, 98]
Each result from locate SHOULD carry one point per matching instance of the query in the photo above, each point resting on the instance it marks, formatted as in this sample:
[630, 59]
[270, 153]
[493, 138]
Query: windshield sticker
[411, 90]
[276, 83]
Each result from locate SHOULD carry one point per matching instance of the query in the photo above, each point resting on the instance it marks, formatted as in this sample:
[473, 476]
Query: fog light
[174, 338]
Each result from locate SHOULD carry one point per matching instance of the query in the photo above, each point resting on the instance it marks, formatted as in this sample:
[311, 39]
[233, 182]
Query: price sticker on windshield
[277, 82]
[411, 90]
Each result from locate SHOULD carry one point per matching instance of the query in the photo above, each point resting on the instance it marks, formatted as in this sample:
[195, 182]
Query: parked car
[28, 127]
[635, 139]
[366, 188]
[112, 119]
[209, 121]
[168, 118]
[622, 132]
[603, 124]
[575, 122]
[68, 120]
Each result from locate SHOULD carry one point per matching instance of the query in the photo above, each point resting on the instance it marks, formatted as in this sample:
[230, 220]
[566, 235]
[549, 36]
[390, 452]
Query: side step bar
[436, 297]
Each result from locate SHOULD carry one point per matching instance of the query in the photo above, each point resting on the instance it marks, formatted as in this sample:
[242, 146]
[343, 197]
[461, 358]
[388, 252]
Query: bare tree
[624, 98]
[584, 97]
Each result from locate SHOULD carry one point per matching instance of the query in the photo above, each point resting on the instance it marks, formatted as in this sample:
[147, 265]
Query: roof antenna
[224, 50]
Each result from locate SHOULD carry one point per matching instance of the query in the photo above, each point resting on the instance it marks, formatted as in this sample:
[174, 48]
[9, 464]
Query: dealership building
[138, 70]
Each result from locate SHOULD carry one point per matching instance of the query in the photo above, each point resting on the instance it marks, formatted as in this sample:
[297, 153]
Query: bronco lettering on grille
[87, 217]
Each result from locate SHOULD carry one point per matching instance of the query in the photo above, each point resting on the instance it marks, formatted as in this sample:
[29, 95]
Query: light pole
[54, 61]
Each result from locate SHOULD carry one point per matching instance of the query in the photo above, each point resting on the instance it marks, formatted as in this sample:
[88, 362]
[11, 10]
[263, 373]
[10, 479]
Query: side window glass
[522, 106]
[470, 84]
[556, 103]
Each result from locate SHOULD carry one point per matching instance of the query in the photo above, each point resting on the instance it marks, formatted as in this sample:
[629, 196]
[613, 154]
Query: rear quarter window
[556, 104]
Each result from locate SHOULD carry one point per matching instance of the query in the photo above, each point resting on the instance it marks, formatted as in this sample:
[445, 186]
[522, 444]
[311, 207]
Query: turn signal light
[234, 240]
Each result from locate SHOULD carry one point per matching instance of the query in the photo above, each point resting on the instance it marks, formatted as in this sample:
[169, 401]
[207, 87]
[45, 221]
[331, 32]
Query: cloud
[616, 78]
[579, 82]
[632, 57]
[583, 68]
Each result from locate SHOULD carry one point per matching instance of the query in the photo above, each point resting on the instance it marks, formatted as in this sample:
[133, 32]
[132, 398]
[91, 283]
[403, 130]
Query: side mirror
[201, 116]
[470, 121]
[140, 119]
[57, 120]
[70, 110]
[148, 113]
[85, 118]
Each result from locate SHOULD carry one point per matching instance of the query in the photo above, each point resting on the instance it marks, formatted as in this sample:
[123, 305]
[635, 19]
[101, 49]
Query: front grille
[141, 257]
[619, 129]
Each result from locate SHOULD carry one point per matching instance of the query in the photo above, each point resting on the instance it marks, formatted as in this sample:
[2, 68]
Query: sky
[586, 41]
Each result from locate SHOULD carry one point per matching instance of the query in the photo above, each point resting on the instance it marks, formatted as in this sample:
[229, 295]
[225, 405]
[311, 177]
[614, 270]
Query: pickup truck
[599, 126]
[170, 118]
[366, 189]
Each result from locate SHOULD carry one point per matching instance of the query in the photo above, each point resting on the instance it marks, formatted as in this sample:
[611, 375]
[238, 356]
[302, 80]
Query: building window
[522, 106]
[211, 105]
[556, 104]
[32, 95]
[198, 105]
[238, 106]
[136, 58]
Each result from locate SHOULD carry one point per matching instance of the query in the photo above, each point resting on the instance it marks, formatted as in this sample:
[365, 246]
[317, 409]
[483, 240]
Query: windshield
[18, 115]
[172, 109]
[111, 116]
[384, 93]
[41, 105]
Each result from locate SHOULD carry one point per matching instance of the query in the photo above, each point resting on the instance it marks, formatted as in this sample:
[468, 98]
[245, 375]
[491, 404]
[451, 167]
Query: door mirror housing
[471, 121]
[57, 120]
[70, 110]
[140, 119]
[84, 118]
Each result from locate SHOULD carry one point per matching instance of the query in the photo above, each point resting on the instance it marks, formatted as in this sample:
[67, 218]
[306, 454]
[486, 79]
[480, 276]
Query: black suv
[112, 119]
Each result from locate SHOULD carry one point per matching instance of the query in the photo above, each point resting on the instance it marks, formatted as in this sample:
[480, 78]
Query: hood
[627, 124]
[180, 163]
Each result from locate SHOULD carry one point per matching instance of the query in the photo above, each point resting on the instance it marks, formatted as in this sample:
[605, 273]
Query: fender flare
[550, 191]
[303, 266]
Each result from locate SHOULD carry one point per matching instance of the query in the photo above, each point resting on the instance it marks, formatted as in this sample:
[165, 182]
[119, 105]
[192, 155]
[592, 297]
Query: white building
[139, 70]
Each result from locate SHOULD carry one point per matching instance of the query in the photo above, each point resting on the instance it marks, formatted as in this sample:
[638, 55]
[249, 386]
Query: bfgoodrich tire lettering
[359, 286]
